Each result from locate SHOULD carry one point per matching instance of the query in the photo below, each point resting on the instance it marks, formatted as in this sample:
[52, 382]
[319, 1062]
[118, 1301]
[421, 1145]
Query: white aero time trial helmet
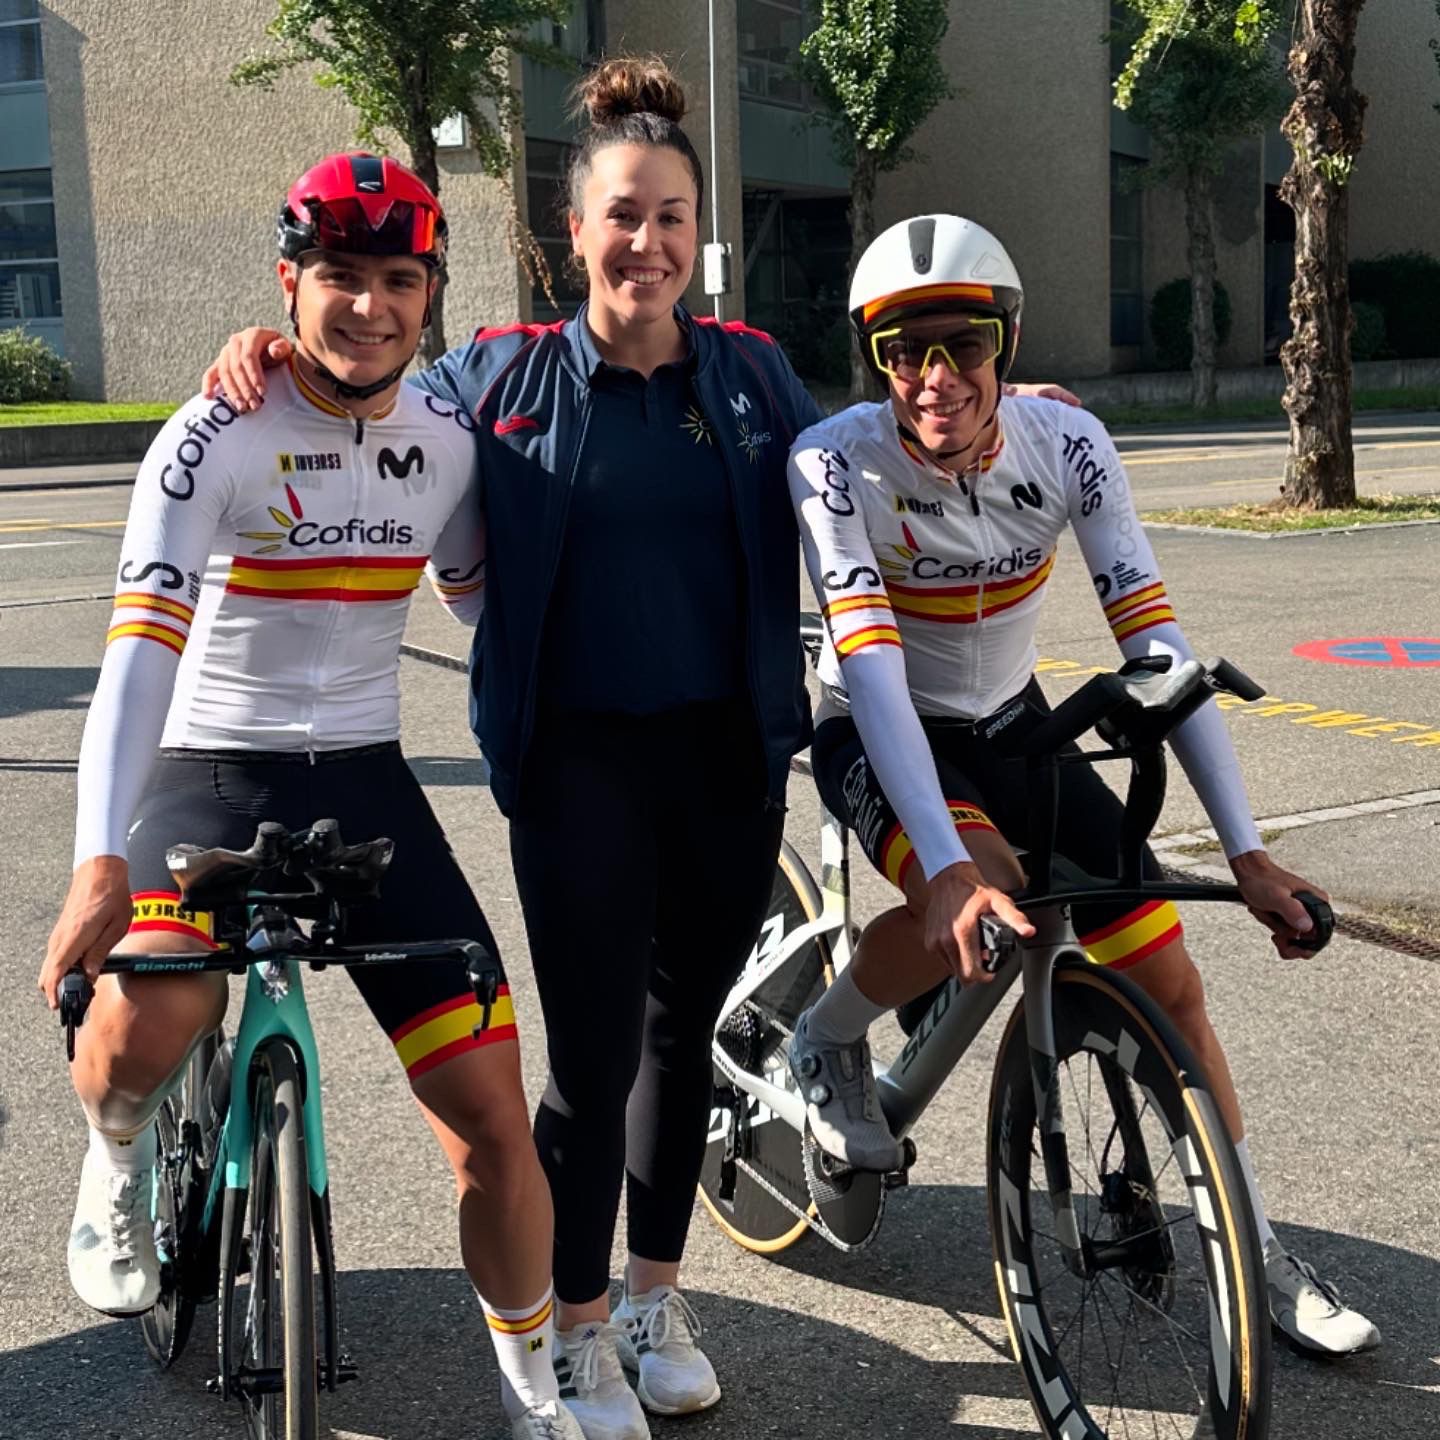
[932, 264]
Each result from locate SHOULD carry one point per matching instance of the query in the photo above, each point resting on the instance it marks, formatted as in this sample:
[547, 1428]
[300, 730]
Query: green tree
[875, 68]
[406, 65]
[1201, 75]
[1326, 128]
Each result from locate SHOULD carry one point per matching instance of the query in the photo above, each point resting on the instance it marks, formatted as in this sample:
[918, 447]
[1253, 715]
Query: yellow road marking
[10, 529]
[1200, 456]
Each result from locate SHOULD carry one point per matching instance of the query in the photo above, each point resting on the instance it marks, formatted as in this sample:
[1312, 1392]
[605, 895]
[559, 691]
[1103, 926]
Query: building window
[769, 33]
[545, 164]
[582, 37]
[20, 60]
[29, 262]
[1127, 295]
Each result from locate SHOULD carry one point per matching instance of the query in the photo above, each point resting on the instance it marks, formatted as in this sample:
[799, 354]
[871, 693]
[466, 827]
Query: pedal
[345, 1371]
[896, 1179]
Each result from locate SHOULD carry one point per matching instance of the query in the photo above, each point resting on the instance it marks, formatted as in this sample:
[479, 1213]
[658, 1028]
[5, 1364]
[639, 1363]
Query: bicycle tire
[178, 1203]
[1106, 1024]
[282, 1278]
[753, 1218]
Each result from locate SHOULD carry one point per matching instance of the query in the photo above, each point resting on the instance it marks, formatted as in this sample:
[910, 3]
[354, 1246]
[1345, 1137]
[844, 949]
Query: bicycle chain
[813, 1221]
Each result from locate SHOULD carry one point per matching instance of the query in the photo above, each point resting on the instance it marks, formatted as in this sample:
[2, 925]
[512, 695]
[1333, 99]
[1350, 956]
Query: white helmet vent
[988, 266]
[922, 243]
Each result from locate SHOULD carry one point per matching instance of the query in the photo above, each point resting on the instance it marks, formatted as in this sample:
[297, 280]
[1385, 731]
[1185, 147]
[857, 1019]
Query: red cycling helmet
[362, 204]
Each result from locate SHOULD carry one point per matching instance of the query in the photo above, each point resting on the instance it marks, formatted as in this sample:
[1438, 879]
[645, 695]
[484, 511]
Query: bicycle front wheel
[1167, 1333]
[281, 1401]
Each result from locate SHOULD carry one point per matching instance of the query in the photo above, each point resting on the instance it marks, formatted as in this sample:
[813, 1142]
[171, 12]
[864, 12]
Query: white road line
[36, 544]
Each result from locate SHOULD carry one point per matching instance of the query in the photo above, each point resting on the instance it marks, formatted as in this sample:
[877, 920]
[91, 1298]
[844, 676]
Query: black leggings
[644, 853]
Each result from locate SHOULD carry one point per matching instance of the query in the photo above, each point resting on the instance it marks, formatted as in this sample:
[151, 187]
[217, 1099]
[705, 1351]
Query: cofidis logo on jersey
[299, 533]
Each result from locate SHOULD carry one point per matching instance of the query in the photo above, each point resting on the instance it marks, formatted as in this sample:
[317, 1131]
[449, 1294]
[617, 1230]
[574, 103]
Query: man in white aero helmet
[930, 523]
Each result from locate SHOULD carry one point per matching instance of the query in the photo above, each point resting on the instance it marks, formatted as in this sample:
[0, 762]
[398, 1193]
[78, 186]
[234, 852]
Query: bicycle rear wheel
[757, 1038]
[179, 1200]
[1168, 1335]
[279, 1324]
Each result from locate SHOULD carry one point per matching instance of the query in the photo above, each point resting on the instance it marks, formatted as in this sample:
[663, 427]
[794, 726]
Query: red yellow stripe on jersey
[322, 402]
[165, 635]
[449, 594]
[448, 1029]
[927, 295]
[986, 462]
[1132, 937]
[160, 604]
[347, 577]
[152, 910]
[1137, 612]
[965, 604]
[857, 640]
[869, 600]
[897, 854]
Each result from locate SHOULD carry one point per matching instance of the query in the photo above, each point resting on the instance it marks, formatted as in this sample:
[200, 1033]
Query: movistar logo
[413, 459]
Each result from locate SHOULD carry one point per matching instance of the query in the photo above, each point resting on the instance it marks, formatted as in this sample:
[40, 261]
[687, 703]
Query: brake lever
[76, 992]
[483, 971]
[1322, 922]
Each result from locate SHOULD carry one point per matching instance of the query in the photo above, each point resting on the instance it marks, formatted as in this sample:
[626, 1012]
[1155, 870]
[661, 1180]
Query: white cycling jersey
[264, 581]
[931, 585]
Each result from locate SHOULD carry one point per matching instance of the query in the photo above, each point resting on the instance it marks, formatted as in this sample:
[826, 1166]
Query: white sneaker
[550, 1421]
[1309, 1310]
[659, 1331]
[111, 1254]
[593, 1384]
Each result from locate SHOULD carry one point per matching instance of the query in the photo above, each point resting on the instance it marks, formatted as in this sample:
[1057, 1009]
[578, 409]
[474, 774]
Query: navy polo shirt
[647, 612]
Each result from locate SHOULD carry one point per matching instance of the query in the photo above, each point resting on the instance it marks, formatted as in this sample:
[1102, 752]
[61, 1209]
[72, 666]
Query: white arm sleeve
[456, 568]
[1128, 583]
[862, 629]
[174, 513]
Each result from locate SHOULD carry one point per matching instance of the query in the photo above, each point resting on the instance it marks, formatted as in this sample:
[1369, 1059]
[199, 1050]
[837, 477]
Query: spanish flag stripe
[1134, 624]
[337, 576]
[320, 402]
[857, 602]
[1008, 602]
[171, 895]
[336, 562]
[436, 1058]
[874, 635]
[139, 630]
[1041, 572]
[174, 927]
[138, 600]
[445, 1007]
[460, 589]
[455, 1024]
[521, 1327]
[332, 593]
[1149, 948]
[1125, 937]
[1140, 597]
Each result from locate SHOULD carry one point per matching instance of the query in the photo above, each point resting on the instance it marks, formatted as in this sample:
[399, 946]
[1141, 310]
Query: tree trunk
[862, 232]
[1325, 126]
[1199, 226]
[423, 162]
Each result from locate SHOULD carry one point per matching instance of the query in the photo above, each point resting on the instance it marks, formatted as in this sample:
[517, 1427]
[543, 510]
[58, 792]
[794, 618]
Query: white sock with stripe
[524, 1342]
[843, 1013]
[133, 1153]
[1268, 1236]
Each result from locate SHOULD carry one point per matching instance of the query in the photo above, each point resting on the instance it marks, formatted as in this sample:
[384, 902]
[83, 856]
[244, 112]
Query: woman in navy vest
[638, 691]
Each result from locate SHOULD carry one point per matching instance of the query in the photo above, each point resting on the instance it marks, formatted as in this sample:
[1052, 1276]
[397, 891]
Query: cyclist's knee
[478, 1107]
[1172, 980]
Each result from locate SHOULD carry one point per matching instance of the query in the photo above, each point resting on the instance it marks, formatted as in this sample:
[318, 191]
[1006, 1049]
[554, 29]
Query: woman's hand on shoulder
[239, 369]
[1046, 391]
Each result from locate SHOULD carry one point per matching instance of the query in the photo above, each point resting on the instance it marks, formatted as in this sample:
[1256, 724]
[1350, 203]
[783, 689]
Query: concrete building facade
[138, 186]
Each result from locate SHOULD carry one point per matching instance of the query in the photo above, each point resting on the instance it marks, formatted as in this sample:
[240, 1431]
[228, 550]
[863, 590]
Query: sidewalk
[68, 477]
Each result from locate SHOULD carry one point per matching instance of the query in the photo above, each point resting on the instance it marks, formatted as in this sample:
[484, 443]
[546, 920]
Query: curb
[106, 442]
[1283, 534]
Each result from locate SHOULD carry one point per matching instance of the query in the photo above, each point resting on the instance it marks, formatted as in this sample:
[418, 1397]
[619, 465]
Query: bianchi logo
[295, 530]
[753, 441]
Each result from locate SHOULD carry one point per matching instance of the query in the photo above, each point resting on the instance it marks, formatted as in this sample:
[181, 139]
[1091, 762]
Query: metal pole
[714, 173]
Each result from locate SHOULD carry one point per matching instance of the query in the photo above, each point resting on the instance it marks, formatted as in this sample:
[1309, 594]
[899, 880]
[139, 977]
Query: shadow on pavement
[934, 1249]
[25, 688]
[427, 1374]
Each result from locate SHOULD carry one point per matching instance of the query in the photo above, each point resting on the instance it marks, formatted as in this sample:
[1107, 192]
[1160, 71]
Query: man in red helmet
[251, 673]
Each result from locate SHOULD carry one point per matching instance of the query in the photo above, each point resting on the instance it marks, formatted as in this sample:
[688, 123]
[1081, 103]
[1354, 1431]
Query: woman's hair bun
[630, 85]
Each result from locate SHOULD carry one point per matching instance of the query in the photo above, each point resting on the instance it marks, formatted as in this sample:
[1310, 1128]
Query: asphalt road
[1336, 1060]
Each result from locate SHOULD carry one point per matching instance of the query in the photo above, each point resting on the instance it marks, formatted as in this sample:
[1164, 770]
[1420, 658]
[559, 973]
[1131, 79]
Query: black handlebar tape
[1235, 680]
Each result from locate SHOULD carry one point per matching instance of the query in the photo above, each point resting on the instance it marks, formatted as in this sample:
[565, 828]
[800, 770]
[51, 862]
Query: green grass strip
[83, 412]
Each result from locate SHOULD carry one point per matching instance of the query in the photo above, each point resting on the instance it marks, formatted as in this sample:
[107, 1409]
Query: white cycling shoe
[1309, 1310]
[111, 1255]
[551, 1421]
[658, 1334]
[842, 1107]
[593, 1384]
